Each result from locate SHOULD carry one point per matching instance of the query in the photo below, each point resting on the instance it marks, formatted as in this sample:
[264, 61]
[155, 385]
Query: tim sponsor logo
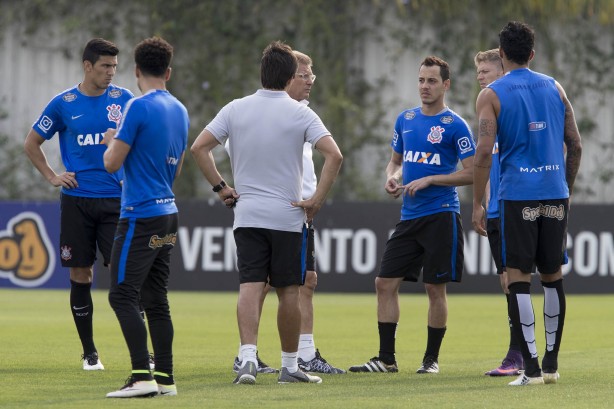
[537, 126]
[533, 213]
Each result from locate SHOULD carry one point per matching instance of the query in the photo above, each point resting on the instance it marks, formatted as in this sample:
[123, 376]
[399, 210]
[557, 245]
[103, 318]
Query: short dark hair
[153, 56]
[278, 66]
[444, 68]
[517, 40]
[97, 47]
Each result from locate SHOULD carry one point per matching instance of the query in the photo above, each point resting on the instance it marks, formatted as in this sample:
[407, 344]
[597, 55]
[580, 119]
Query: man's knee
[81, 274]
[311, 280]
[386, 286]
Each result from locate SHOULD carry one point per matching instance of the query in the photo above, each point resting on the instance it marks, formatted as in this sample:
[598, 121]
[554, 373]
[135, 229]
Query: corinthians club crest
[115, 113]
[435, 135]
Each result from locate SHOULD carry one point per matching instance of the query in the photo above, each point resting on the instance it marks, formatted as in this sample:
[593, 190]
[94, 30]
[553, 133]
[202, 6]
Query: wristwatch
[219, 187]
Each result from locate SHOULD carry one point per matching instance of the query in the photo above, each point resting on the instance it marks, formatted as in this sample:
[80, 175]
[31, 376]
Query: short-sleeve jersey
[493, 201]
[156, 128]
[431, 145]
[530, 131]
[267, 132]
[81, 121]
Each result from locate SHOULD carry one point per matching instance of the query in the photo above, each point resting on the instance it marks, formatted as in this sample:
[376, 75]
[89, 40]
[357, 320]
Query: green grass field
[40, 363]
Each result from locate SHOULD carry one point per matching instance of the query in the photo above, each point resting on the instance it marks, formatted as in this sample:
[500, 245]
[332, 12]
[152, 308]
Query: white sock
[306, 347]
[248, 352]
[240, 353]
[288, 361]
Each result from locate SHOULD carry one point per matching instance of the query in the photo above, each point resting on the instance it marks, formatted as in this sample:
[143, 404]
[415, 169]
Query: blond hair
[303, 58]
[489, 56]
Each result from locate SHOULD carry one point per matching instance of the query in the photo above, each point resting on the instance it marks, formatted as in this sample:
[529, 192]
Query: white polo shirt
[267, 132]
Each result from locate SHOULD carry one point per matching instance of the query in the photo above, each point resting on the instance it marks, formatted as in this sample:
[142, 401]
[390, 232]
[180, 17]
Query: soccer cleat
[429, 365]
[152, 362]
[550, 377]
[318, 364]
[297, 377]
[247, 374]
[167, 390]
[136, 389]
[512, 365]
[524, 380]
[91, 362]
[375, 365]
[262, 367]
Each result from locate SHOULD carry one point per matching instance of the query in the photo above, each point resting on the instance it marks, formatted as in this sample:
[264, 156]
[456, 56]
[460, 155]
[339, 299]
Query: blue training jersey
[530, 131]
[80, 121]
[431, 145]
[493, 201]
[156, 128]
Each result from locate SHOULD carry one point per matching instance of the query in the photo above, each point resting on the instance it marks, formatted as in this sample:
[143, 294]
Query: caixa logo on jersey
[27, 258]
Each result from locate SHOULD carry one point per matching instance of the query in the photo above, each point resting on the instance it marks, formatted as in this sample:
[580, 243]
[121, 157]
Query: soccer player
[427, 144]
[269, 225]
[309, 358]
[89, 195]
[530, 116]
[150, 144]
[489, 67]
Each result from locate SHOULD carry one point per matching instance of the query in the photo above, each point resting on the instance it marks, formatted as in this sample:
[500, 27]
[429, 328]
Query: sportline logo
[156, 242]
[27, 258]
[554, 212]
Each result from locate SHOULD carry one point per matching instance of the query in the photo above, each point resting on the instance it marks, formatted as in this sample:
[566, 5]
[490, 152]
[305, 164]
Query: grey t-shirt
[266, 133]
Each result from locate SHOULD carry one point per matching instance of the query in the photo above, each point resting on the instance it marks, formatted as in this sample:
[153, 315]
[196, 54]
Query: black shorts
[142, 251]
[85, 223]
[432, 244]
[273, 256]
[534, 232]
[311, 250]
[494, 239]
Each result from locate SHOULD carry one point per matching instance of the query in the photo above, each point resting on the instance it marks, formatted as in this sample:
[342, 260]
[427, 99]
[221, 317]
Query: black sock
[554, 320]
[434, 340]
[164, 378]
[387, 334]
[520, 300]
[141, 375]
[514, 344]
[82, 310]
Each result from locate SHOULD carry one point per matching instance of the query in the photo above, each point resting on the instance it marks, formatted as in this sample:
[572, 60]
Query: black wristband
[219, 187]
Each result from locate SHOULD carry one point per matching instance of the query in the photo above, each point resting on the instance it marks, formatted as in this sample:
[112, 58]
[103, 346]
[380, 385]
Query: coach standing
[266, 133]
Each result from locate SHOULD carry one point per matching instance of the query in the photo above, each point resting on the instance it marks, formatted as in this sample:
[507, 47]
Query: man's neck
[433, 109]
[90, 90]
[152, 83]
[510, 66]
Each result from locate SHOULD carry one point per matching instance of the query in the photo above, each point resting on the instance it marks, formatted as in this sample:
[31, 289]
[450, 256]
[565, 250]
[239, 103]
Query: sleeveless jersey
[156, 128]
[431, 145]
[530, 135]
[493, 203]
[80, 122]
